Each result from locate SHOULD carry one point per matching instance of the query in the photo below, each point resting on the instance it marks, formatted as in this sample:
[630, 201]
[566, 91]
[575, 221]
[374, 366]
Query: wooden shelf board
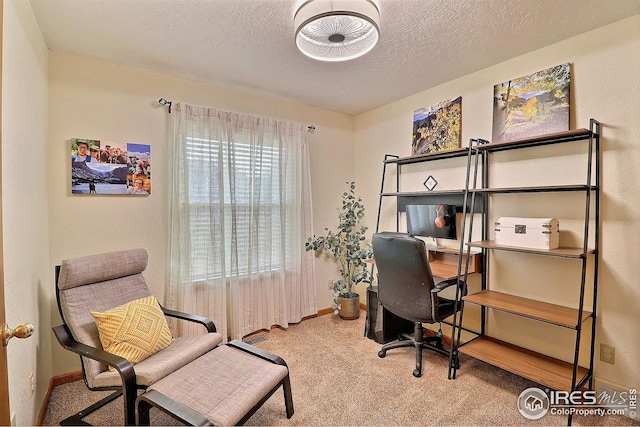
[545, 370]
[445, 271]
[538, 310]
[444, 262]
[551, 138]
[562, 251]
[458, 152]
[536, 189]
[422, 193]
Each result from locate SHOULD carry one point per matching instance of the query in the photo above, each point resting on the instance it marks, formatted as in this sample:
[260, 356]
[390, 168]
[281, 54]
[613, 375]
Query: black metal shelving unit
[545, 370]
[454, 197]
[457, 197]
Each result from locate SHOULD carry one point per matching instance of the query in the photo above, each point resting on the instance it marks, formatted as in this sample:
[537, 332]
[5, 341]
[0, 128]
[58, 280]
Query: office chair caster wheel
[417, 373]
[382, 354]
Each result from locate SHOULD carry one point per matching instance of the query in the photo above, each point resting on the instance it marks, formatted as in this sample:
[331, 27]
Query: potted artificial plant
[349, 250]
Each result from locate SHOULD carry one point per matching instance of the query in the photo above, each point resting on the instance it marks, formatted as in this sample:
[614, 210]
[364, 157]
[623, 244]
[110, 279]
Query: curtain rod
[164, 102]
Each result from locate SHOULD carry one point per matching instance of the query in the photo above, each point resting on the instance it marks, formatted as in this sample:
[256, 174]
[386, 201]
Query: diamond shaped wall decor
[430, 183]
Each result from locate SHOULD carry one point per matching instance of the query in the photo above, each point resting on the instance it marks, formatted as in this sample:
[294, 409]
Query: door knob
[21, 331]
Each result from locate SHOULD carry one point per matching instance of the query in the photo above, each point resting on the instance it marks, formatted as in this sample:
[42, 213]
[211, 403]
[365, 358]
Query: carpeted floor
[338, 379]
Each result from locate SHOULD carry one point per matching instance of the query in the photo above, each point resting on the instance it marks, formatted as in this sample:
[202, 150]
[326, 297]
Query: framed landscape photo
[533, 105]
[105, 167]
[437, 127]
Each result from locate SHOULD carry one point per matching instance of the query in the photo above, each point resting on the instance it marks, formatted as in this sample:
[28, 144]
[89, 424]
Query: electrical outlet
[330, 284]
[607, 354]
[32, 384]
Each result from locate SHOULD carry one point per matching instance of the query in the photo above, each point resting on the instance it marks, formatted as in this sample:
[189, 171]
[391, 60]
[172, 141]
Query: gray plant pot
[349, 306]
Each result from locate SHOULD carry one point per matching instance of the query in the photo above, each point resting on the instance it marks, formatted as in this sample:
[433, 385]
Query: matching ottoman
[223, 387]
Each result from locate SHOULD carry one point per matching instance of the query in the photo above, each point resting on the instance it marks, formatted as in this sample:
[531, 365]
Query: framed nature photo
[105, 167]
[438, 127]
[533, 105]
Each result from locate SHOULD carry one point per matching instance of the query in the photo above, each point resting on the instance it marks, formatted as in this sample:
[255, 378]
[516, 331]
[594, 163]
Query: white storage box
[534, 233]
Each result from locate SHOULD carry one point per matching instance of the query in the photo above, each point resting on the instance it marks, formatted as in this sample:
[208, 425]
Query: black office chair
[406, 288]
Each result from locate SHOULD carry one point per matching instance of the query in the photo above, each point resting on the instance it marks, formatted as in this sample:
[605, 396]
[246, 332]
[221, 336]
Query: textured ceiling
[248, 44]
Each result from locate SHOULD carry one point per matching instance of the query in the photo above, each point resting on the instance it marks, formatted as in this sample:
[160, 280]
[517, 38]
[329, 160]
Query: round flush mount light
[337, 30]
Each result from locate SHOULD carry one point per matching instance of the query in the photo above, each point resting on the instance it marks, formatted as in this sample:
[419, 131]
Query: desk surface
[444, 263]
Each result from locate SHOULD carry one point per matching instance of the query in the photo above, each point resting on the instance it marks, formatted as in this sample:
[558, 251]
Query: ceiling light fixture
[337, 30]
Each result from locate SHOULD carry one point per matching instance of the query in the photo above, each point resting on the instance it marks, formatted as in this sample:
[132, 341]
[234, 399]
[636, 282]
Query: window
[235, 194]
[240, 198]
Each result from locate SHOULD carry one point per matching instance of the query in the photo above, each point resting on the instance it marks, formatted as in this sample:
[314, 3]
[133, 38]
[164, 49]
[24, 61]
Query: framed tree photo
[533, 105]
[437, 127]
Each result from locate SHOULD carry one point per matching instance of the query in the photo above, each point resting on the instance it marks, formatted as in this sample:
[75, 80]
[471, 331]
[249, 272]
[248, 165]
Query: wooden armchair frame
[125, 369]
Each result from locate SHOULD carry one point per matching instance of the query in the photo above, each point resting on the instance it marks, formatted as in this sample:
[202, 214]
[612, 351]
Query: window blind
[241, 195]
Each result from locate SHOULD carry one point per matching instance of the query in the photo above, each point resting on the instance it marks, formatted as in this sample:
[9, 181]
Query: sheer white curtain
[240, 212]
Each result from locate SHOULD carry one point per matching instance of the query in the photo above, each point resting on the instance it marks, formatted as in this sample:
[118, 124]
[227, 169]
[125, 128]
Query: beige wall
[605, 76]
[24, 206]
[94, 99]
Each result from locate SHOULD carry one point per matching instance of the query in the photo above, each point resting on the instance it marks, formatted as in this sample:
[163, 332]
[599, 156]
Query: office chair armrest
[122, 365]
[204, 321]
[447, 283]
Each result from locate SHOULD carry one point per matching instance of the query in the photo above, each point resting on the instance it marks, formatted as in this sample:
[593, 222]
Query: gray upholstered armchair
[99, 283]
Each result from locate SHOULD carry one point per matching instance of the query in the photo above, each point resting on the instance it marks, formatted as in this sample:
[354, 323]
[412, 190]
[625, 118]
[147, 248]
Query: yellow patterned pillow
[134, 330]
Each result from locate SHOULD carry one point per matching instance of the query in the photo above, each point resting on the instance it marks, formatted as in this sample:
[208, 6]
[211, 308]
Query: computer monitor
[421, 221]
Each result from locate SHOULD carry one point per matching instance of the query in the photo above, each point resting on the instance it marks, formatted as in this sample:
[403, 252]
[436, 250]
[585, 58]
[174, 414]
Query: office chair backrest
[405, 280]
[98, 283]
